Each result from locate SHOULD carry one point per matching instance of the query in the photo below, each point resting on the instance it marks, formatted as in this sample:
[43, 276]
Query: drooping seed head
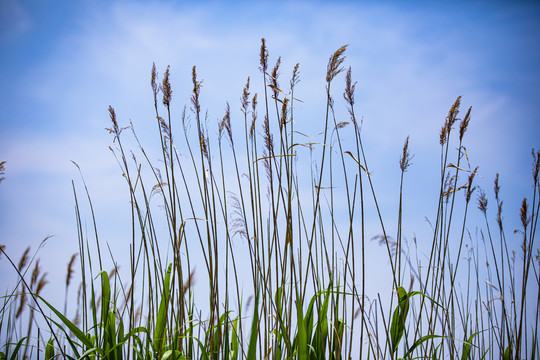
[334, 64]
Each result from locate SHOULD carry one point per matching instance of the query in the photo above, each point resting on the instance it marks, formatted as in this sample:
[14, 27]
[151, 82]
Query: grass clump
[277, 222]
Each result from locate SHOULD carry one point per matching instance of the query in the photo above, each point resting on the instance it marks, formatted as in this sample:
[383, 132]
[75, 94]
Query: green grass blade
[79, 334]
[252, 347]
[161, 320]
[49, 350]
[18, 347]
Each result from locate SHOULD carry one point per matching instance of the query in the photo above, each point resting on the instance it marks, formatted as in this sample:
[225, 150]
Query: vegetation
[279, 223]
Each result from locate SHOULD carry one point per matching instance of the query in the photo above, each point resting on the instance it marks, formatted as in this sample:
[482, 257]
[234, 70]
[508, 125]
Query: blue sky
[63, 64]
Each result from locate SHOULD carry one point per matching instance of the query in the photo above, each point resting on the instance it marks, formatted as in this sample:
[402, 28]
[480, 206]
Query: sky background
[63, 63]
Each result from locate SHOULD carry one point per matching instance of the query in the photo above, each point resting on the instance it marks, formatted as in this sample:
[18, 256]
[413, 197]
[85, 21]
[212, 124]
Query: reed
[276, 222]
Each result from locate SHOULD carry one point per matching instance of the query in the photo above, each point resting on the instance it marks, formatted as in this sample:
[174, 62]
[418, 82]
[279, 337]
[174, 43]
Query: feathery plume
[70, 269]
[405, 160]
[274, 78]
[35, 275]
[535, 166]
[263, 56]
[470, 187]
[348, 95]
[153, 82]
[245, 98]
[524, 213]
[166, 88]
[2, 170]
[482, 202]
[225, 124]
[253, 116]
[284, 111]
[24, 259]
[41, 284]
[464, 124]
[295, 78]
[334, 63]
[196, 91]
[499, 216]
[115, 129]
[496, 186]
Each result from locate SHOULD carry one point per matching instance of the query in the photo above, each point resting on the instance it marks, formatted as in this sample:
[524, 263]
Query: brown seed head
[42, 282]
[405, 160]
[166, 88]
[470, 187]
[225, 124]
[35, 274]
[334, 64]
[482, 202]
[22, 302]
[153, 82]
[524, 213]
[245, 98]
[535, 166]
[70, 269]
[24, 259]
[115, 129]
[2, 170]
[496, 186]
[263, 56]
[295, 76]
[253, 116]
[453, 113]
[196, 91]
[348, 95]
[284, 111]
[464, 124]
[274, 78]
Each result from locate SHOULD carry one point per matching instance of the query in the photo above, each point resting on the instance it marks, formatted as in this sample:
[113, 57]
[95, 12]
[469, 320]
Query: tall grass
[276, 222]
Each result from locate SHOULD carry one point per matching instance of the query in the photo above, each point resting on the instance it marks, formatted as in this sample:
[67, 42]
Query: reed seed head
[496, 186]
[464, 124]
[35, 275]
[42, 282]
[274, 78]
[470, 187]
[524, 213]
[348, 95]
[196, 91]
[115, 129]
[253, 116]
[499, 216]
[482, 202]
[153, 82]
[284, 110]
[535, 166]
[2, 170]
[334, 64]
[263, 56]
[245, 98]
[295, 76]
[225, 124]
[22, 302]
[24, 259]
[70, 268]
[405, 160]
[166, 88]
